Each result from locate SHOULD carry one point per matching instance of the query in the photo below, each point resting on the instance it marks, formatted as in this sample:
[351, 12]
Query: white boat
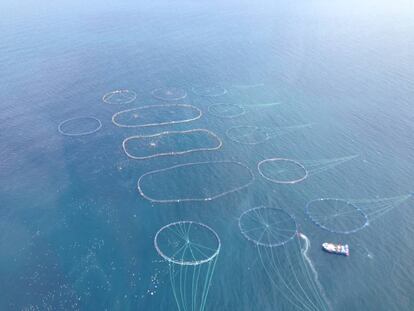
[338, 249]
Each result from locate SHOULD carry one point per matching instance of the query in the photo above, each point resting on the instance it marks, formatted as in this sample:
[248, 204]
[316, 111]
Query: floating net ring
[64, 127]
[226, 110]
[119, 97]
[267, 226]
[209, 91]
[192, 198]
[336, 215]
[187, 243]
[287, 171]
[136, 115]
[154, 137]
[169, 93]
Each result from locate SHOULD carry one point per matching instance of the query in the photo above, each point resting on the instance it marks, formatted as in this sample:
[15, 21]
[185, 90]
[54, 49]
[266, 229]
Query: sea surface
[76, 234]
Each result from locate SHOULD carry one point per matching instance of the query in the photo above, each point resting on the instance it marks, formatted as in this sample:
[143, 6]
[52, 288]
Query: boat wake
[305, 255]
[309, 261]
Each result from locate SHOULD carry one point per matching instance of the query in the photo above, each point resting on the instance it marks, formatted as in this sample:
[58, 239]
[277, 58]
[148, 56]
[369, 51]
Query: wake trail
[309, 261]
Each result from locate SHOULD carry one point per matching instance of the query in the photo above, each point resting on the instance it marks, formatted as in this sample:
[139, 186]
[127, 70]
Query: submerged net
[248, 135]
[230, 111]
[263, 105]
[253, 135]
[209, 91]
[267, 226]
[170, 143]
[226, 110]
[191, 250]
[375, 208]
[79, 126]
[187, 243]
[350, 216]
[274, 233]
[119, 97]
[322, 165]
[169, 93]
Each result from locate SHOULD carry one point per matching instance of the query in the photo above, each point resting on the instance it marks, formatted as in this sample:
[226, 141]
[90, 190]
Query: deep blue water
[74, 232]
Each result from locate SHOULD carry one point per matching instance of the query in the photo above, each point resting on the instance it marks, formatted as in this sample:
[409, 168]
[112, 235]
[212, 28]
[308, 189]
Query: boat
[338, 249]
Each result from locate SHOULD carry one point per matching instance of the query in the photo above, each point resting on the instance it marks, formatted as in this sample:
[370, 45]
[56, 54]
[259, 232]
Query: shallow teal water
[74, 232]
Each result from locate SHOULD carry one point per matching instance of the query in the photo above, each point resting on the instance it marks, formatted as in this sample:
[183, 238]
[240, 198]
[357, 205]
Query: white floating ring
[119, 97]
[176, 236]
[190, 107]
[270, 224]
[126, 140]
[320, 223]
[195, 199]
[63, 123]
[277, 181]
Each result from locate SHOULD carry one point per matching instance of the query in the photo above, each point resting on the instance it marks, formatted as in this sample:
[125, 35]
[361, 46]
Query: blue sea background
[74, 232]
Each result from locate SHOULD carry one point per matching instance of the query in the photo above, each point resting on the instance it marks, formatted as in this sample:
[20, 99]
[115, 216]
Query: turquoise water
[75, 234]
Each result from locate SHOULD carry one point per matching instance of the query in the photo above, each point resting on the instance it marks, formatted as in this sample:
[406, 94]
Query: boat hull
[337, 249]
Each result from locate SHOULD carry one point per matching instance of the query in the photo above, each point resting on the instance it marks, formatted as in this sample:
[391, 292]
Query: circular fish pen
[282, 171]
[191, 250]
[79, 126]
[267, 226]
[119, 97]
[170, 143]
[169, 93]
[209, 181]
[156, 115]
[275, 234]
[350, 216]
[209, 91]
[337, 216]
[187, 243]
[288, 171]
